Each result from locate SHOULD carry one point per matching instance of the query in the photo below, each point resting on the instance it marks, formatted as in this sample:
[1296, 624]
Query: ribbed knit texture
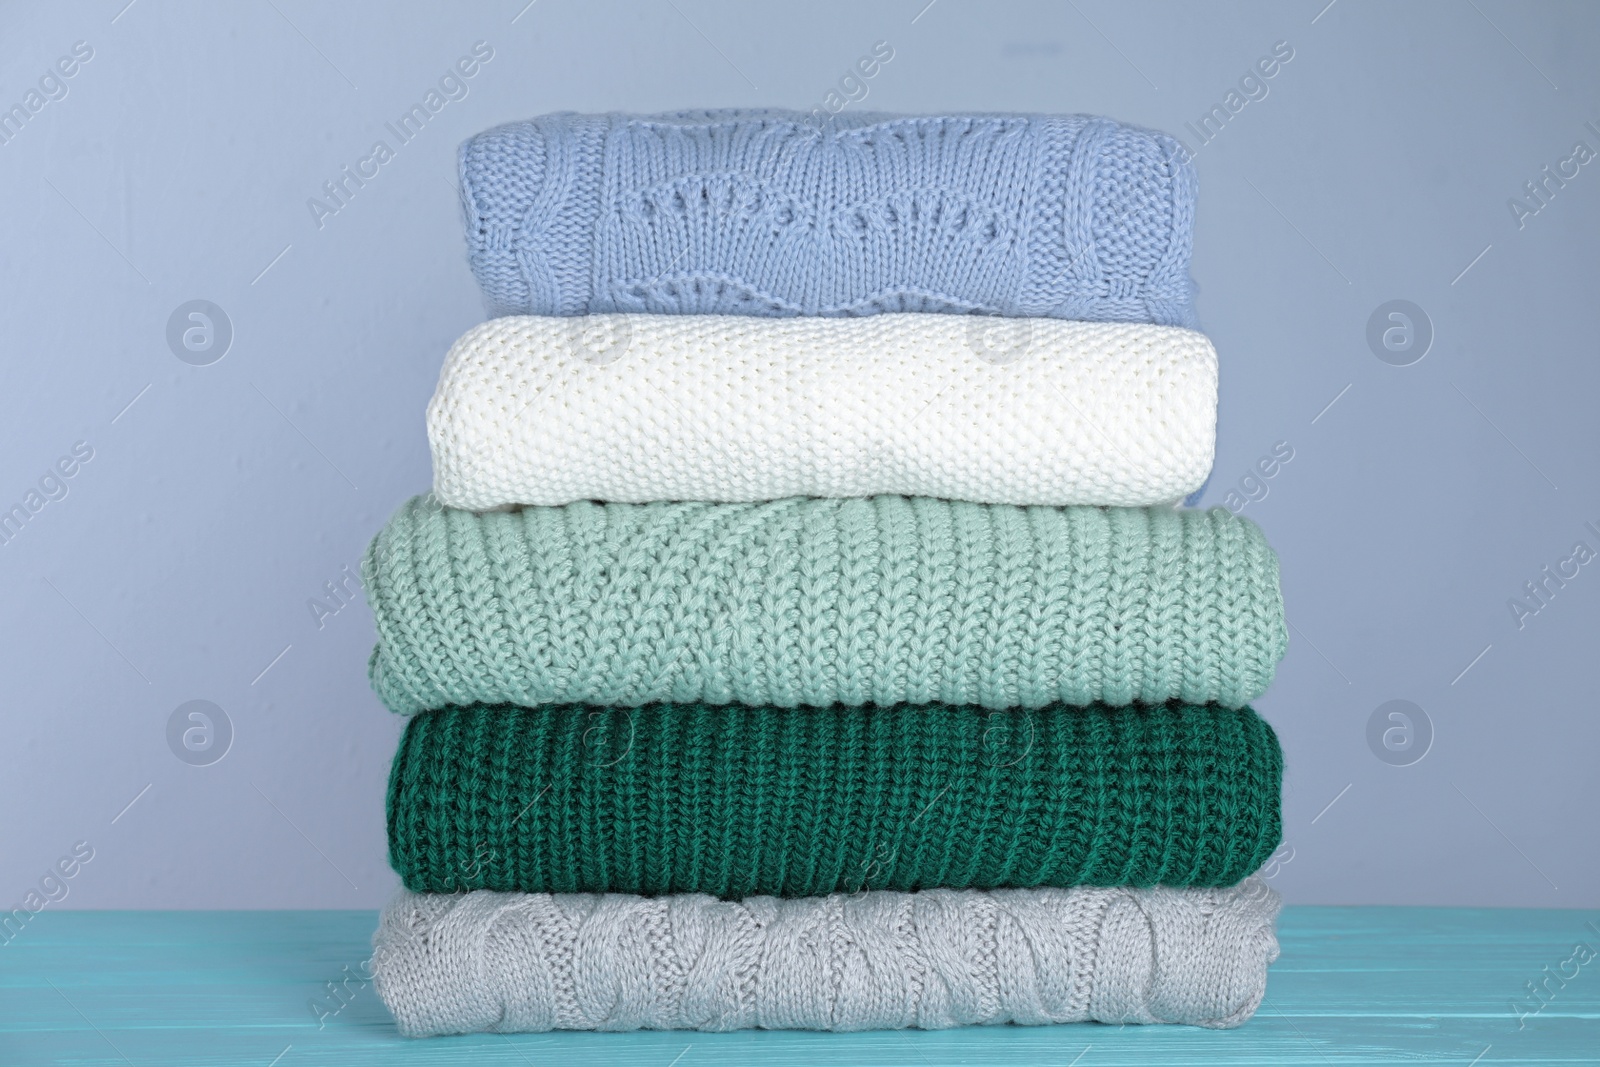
[735, 801]
[768, 213]
[512, 962]
[540, 410]
[816, 602]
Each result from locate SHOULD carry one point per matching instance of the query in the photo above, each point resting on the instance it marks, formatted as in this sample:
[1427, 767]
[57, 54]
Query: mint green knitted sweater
[820, 601]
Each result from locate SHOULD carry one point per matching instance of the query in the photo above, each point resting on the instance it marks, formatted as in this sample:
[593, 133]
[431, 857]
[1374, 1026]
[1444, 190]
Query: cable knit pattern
[734, 800]
[767, 213]
[511, 962]
[635, 408]
[816, 602]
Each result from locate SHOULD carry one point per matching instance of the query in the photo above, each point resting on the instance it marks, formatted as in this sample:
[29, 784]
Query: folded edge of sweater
[884, 600]
[764, 212]
[511, 962]
[636, 408]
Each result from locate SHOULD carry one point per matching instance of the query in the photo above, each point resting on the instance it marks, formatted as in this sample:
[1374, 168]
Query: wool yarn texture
[735, 801]
[771, 213]
[796, 602]
[636, 408]
[513, 962]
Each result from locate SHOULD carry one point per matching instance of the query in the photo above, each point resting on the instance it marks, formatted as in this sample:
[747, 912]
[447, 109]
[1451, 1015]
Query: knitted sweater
[766, 213]
[816, 602]
[511, 962]
[735, 801]
[538, 410]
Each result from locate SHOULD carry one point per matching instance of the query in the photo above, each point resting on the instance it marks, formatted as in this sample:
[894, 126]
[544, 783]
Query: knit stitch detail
[733, 800]
[815, 602]
[636, 408]
[512, 962]
[763, 212]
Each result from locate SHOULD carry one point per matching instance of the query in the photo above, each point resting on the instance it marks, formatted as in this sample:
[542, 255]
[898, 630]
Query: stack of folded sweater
[801, 632]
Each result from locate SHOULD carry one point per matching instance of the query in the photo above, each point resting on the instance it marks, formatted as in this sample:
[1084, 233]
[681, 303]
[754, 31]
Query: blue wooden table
[285, 989]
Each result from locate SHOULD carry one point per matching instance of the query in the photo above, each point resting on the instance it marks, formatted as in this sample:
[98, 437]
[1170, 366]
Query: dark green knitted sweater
[737, 801]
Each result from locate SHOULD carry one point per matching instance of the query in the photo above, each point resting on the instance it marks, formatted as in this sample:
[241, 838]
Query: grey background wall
[186, 558]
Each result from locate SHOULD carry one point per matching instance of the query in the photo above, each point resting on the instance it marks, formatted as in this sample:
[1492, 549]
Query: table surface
[1353, 986]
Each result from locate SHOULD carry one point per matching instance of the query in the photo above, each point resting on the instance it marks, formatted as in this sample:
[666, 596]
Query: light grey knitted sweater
[939, 958]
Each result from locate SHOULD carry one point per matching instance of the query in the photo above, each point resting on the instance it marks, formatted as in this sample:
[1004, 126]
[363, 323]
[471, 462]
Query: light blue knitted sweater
[767, 213]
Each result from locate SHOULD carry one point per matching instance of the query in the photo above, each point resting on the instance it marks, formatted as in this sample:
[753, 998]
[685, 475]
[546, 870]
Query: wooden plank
[1354, 986]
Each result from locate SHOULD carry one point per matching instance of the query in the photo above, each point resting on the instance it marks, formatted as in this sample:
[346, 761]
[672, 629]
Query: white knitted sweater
[637, 408]
[509, 962]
